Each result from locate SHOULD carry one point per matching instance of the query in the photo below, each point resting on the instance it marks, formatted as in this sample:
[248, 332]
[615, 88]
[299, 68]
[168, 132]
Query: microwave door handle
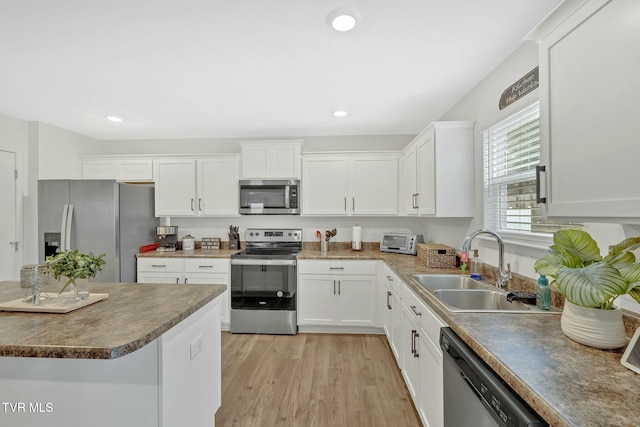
[287, 204]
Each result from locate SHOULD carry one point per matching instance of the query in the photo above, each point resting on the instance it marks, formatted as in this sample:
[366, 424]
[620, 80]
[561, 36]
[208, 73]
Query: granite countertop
[132, 316]
[567, 383]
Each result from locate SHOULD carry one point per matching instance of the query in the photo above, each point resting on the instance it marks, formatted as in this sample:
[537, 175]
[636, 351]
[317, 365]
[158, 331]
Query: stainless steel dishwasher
[476, 396]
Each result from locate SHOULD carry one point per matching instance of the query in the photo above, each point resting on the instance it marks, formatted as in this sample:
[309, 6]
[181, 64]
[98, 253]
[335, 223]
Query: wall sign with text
[525, 85]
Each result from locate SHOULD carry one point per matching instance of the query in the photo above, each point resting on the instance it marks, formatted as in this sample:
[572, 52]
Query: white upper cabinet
[589, 112]
[270, 159]
[438, 171]
[345, 184]
[203, 187]
[127, 168]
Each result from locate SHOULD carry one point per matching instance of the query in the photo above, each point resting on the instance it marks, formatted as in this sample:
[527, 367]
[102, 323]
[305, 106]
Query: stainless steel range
[264, 282]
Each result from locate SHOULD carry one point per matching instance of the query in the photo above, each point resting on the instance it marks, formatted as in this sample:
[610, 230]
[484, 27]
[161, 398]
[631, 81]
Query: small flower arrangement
[74, 265]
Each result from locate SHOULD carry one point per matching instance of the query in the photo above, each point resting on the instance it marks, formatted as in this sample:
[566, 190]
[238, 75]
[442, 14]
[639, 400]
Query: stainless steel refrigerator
[103, 217]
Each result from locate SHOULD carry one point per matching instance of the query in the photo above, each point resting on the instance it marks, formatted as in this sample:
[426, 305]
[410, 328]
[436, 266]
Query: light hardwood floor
[312, 380]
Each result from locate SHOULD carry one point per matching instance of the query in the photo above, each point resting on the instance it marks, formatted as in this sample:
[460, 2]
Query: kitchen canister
[188, 243]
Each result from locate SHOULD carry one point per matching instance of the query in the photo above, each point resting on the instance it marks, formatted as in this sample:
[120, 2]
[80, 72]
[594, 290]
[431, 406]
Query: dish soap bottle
[544, 293]
[476, 266]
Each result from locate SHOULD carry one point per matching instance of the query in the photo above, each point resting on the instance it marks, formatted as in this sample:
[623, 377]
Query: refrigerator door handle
[68, 228]
[63, 228]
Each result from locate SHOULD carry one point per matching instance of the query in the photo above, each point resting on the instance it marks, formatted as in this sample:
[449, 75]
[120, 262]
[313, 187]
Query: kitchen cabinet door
[153, 277]
[218, 186]
[588, 113]
[430, 403]
[374, 185]
[271, 159]
[175, 190]
[316, 300]
[438, 176]
[355, 301]
[411, 354]
[325, 185]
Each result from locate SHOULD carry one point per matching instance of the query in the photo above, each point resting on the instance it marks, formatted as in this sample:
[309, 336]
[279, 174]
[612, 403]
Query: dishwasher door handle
[475, 390]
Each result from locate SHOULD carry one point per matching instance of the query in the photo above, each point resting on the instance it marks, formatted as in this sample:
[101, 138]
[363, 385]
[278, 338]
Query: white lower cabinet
[190, 271]
[340, 293]
[413, 331]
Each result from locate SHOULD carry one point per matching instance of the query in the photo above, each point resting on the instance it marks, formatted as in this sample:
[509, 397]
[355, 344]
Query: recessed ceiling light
[343, 19]
[114, 119]
[339, 113]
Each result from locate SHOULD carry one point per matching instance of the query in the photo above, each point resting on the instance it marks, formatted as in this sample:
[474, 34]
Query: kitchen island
[148, 355]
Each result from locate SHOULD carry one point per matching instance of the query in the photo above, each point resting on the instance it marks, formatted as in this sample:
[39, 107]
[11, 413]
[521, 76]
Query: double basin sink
[464, 294]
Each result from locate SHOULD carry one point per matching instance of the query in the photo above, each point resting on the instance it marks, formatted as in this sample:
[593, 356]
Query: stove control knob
[250, 234]
[295, 234]
[289, 234]
[257, 233]
[280, 294]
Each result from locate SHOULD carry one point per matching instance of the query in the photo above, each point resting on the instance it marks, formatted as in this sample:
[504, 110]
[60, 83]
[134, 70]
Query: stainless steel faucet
[504, 274]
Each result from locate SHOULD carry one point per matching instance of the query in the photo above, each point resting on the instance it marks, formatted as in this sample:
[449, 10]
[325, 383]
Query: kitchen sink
[479, 300]
[463, 294]
[433, 282]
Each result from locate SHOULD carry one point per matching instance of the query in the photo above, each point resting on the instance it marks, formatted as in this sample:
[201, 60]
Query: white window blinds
[511, 153]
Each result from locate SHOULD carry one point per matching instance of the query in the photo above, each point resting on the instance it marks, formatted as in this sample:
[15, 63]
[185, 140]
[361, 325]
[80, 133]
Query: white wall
[58, 151]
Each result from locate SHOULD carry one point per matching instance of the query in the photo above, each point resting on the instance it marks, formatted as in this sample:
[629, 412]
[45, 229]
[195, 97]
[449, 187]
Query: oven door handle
[245, 261]
[287, 203]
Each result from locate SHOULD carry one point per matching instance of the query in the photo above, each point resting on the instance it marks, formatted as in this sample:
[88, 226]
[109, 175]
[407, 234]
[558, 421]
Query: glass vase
[67, 290]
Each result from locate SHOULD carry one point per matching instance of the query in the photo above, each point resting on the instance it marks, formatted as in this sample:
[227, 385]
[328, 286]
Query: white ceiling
[249, 68]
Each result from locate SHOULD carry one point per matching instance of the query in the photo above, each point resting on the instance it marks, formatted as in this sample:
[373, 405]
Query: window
[511, 154]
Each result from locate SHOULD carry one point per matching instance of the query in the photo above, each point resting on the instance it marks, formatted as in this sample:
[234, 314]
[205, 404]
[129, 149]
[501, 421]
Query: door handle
[415, 347]
[538, 170]
[413, 308]
[388, 301]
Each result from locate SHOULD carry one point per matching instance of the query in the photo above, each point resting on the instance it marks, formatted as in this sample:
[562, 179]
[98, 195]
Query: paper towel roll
[356, 239]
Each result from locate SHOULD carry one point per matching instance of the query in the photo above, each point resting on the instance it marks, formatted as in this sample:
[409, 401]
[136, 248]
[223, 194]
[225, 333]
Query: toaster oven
[400, 243]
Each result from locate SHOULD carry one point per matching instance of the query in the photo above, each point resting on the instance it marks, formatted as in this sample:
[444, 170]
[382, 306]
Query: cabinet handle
[205, 266]
[177, 280]
[353, 204]
[336, 268]
[334, 287]
[338, 287]
[185, 280]
[158, 265]
[538, 170]
[413, 308]
[389, 278]
[345, 204]
[413, 200]
[415, 347]
[413, 342]
[200, 204]
[192, 209]
[388, 300]
[417, 201]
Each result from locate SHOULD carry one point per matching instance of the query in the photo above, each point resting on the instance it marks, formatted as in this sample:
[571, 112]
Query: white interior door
[8, 244]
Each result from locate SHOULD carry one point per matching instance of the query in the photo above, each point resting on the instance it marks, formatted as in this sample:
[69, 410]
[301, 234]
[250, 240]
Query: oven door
[263, 278]
[264, 197]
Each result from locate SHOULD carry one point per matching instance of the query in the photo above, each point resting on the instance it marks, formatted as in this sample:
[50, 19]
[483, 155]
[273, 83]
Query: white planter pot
[593, 327]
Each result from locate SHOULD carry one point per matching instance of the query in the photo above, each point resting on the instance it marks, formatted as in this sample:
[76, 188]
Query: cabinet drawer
[206, 265]
[160, 264]
[428, 320]
[338, 267]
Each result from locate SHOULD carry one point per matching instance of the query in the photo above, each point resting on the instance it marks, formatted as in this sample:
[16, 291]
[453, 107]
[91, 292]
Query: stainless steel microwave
[400, 243]
[270, 197]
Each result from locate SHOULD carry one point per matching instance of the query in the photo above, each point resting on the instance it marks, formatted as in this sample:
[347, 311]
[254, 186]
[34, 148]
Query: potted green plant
[590, 284]
[71, 266]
